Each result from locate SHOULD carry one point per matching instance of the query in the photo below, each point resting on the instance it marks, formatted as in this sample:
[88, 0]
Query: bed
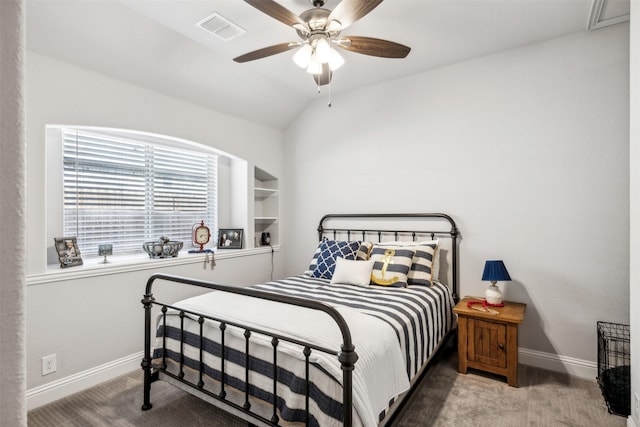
[340, 344]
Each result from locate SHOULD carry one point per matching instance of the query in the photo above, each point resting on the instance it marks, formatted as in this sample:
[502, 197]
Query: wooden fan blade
[265, 51]
[324, 77]
[349, 11]
[276, 11]
[375, 47]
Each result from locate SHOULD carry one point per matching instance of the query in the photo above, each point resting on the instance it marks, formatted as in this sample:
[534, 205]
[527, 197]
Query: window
[127, 190]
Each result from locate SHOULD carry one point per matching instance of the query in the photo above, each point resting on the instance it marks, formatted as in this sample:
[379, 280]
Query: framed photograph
[68, 252]
[230, 238]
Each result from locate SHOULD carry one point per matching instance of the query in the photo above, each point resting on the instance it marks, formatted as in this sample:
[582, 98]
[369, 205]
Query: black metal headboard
[398, 232]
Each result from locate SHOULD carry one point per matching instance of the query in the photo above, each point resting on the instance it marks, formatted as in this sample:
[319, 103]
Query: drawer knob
[501, 346]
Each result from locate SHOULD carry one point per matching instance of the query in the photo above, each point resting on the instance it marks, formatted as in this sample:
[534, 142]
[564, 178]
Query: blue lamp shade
[495, 271]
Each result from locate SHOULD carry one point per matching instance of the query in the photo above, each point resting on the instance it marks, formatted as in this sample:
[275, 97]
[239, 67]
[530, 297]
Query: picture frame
[68, 251]
[230, 238]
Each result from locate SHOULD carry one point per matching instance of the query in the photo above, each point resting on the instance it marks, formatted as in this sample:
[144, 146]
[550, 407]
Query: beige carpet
[443, 398]
[544, 398]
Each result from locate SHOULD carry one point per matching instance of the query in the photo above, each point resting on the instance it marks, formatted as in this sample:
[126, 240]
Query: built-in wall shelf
[265, 219]
[265, 216]
[263, 193]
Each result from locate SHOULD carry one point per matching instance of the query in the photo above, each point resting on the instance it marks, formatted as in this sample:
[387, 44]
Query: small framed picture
[68, 252]
[230, 238]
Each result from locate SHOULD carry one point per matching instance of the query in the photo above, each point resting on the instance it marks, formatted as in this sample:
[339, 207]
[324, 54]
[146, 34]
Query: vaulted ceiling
[157, 44]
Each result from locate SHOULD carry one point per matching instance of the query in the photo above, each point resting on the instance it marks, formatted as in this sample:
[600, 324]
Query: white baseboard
[63, 387]
[553, 362]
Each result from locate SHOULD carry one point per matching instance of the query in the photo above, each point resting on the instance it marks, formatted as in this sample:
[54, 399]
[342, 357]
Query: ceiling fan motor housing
[316, 20]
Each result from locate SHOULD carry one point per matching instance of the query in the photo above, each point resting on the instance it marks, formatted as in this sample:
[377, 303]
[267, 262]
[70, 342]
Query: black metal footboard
[346, 355]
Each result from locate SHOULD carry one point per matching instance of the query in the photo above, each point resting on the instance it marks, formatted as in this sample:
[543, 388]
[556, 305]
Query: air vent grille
[221, 27]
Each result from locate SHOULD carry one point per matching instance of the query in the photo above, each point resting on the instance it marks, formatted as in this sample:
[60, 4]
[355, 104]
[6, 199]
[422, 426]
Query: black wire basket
[614, 366]
[162, 248]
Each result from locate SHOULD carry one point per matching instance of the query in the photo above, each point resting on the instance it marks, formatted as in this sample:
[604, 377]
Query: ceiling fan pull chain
[329, 104]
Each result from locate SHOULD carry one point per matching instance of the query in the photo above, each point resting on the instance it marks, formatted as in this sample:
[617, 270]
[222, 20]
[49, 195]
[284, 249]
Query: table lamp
[494, 271]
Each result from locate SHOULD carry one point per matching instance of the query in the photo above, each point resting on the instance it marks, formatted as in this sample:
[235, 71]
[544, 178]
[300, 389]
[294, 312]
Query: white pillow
[435, 268]
[352, 272]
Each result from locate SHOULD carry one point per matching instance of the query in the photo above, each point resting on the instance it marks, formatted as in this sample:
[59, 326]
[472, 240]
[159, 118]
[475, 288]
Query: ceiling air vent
[220, 27]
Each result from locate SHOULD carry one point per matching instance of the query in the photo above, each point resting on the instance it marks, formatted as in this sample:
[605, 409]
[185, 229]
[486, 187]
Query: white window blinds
[127, 192]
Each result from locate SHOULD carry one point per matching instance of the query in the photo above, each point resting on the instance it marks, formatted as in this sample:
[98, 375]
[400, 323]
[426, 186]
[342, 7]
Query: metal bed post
[347, 358]
[147, 302]
[454, 258]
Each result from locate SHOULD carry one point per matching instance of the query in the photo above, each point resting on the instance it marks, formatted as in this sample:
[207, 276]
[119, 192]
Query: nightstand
[489, 342]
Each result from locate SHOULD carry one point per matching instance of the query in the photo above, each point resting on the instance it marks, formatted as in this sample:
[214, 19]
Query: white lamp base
[493, 294]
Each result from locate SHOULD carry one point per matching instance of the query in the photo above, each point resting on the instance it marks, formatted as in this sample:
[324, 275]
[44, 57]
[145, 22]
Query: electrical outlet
[49, 364]
[636, 403]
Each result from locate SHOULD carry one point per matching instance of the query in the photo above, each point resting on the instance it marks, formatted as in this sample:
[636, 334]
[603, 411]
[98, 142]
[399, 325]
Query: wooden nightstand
[489, 342]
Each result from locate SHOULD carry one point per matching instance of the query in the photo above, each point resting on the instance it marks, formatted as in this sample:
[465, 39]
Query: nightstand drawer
[487, 343]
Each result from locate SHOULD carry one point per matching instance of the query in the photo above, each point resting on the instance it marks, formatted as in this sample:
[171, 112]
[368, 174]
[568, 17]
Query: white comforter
[379, 374]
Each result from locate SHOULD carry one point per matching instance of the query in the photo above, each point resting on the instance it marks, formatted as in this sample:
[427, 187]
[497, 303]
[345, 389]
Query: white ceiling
[156, 44]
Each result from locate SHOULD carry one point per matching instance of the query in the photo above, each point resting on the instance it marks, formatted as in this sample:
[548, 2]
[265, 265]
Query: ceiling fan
[320, 30]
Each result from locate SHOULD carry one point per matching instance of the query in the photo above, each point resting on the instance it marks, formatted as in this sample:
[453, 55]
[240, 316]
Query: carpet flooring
[443, 398]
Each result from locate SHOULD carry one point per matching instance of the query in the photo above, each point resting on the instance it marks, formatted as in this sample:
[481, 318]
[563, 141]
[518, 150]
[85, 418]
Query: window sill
[93, 267]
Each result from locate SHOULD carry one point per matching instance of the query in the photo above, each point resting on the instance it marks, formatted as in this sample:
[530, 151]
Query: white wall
[526, 149]
[91, 321]
[634, 157]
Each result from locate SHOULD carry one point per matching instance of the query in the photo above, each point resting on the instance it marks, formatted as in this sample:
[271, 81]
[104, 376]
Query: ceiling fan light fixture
[323, 50]
[336, 60]
[315, 66]
[303, 56]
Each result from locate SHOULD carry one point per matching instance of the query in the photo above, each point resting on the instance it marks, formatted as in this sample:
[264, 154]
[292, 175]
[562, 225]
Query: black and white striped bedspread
[421, 316]
[415, 318]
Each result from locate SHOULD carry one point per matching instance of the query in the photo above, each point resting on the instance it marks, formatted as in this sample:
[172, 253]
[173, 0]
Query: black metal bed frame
[347, 355]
